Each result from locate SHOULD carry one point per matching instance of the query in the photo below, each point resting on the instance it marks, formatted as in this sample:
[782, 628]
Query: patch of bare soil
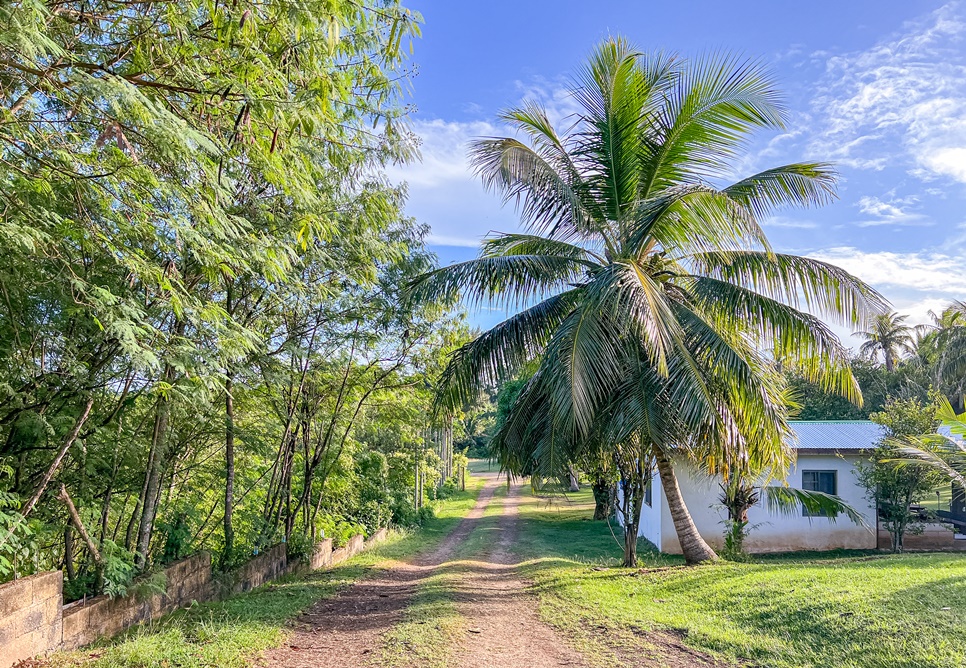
[656, 649]
[346, 630]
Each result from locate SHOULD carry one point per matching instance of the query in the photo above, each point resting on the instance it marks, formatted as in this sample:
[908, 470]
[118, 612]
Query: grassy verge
[814, 610]
[227, 633]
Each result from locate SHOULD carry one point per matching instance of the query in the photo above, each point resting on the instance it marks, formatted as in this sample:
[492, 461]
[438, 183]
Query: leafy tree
[648, 290]
[892, 485]
[201, 277]
[945, 454]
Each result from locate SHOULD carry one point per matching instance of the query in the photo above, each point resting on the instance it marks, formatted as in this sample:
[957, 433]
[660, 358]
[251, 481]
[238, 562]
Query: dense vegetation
[896, 361]
[203, 342]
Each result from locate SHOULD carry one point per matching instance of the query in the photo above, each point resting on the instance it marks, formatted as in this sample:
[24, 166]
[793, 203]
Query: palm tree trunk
[693, 546]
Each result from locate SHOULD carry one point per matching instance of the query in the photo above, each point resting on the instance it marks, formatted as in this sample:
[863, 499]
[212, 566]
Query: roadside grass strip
[848, 610]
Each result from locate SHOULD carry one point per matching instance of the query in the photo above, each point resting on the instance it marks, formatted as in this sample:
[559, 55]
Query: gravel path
[347, 630]
[506, 627]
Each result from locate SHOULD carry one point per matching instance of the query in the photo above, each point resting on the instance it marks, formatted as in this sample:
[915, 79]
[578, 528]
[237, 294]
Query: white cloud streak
[907, 92]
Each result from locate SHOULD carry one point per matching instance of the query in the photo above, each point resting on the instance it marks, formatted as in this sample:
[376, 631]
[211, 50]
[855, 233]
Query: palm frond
[548, 202]
[505, 245]
[802, 184]
[693, 219]
[821, 287]
[711, 108]
[498, 354]
[795, 336]
[510, 281]
[789, 501]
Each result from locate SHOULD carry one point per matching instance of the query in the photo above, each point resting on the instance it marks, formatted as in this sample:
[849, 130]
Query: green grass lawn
[227, 633]
[816, 610]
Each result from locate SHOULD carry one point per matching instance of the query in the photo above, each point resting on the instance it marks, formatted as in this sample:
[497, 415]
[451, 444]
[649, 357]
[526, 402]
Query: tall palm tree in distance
[888, 336]
[644, 291]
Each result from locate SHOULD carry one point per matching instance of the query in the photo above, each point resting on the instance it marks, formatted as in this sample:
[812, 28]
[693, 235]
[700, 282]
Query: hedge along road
[499, 620]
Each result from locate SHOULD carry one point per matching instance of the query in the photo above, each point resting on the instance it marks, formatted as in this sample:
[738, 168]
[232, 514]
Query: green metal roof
[837, 434]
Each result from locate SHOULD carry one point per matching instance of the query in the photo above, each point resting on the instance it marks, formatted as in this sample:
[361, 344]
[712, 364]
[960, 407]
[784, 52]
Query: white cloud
[907, 92]
[443, 190]
[924, 270]
[888, 213]
[788, 223]
[915, 282]
[445, 193]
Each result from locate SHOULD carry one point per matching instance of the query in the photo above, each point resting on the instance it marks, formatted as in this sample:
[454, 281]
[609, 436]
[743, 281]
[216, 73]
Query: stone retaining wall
[31, 616]
[269, 565]
[34, 620]
[186, 581]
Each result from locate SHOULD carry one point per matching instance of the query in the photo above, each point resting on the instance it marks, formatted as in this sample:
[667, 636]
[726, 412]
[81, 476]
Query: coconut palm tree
[648, 291]
[888, 336]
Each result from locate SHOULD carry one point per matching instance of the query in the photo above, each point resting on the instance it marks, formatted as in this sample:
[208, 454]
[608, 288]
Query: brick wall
[354, 546]
[34, 620]
[321, 555]
[269, 565]
[30, 616]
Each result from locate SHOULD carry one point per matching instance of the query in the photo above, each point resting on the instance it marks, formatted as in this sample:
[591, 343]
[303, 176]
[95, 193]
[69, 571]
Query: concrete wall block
[15, 596]
[377, 537]
[76, 622]
[48, 585]
[23, 647]
[321, 554]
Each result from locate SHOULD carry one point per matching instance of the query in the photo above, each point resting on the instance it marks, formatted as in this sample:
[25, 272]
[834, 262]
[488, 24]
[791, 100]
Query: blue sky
[877, 87]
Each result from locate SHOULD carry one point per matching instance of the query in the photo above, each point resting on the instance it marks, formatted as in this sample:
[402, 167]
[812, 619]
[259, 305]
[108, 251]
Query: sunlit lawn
[816, 610]
[226, 634]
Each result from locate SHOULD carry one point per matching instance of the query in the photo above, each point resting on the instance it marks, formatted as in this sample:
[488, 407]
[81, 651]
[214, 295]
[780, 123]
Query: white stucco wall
[775, 533]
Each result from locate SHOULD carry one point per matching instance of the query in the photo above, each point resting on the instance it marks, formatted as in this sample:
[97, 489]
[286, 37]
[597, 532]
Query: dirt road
[501, 620]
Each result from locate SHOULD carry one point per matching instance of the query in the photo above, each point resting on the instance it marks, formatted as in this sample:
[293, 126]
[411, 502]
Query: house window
[648, 490]
[819, 481]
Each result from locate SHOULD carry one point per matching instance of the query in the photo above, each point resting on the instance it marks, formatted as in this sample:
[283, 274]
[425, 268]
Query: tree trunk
[888, 361]
[69, 552]
[91, 545]
[602, 498]
[574, 484]
[229, 471]
[152, 486]
[632, 504]
[693, 546]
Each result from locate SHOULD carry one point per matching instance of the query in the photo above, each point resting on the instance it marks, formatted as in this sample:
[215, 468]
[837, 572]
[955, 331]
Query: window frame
[818, 481]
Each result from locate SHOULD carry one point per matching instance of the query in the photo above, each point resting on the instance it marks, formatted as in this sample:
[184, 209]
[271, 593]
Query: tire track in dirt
[347, 630]
[504, 617]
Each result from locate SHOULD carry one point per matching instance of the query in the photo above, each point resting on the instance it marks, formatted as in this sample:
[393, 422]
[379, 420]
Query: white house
[828, 451]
